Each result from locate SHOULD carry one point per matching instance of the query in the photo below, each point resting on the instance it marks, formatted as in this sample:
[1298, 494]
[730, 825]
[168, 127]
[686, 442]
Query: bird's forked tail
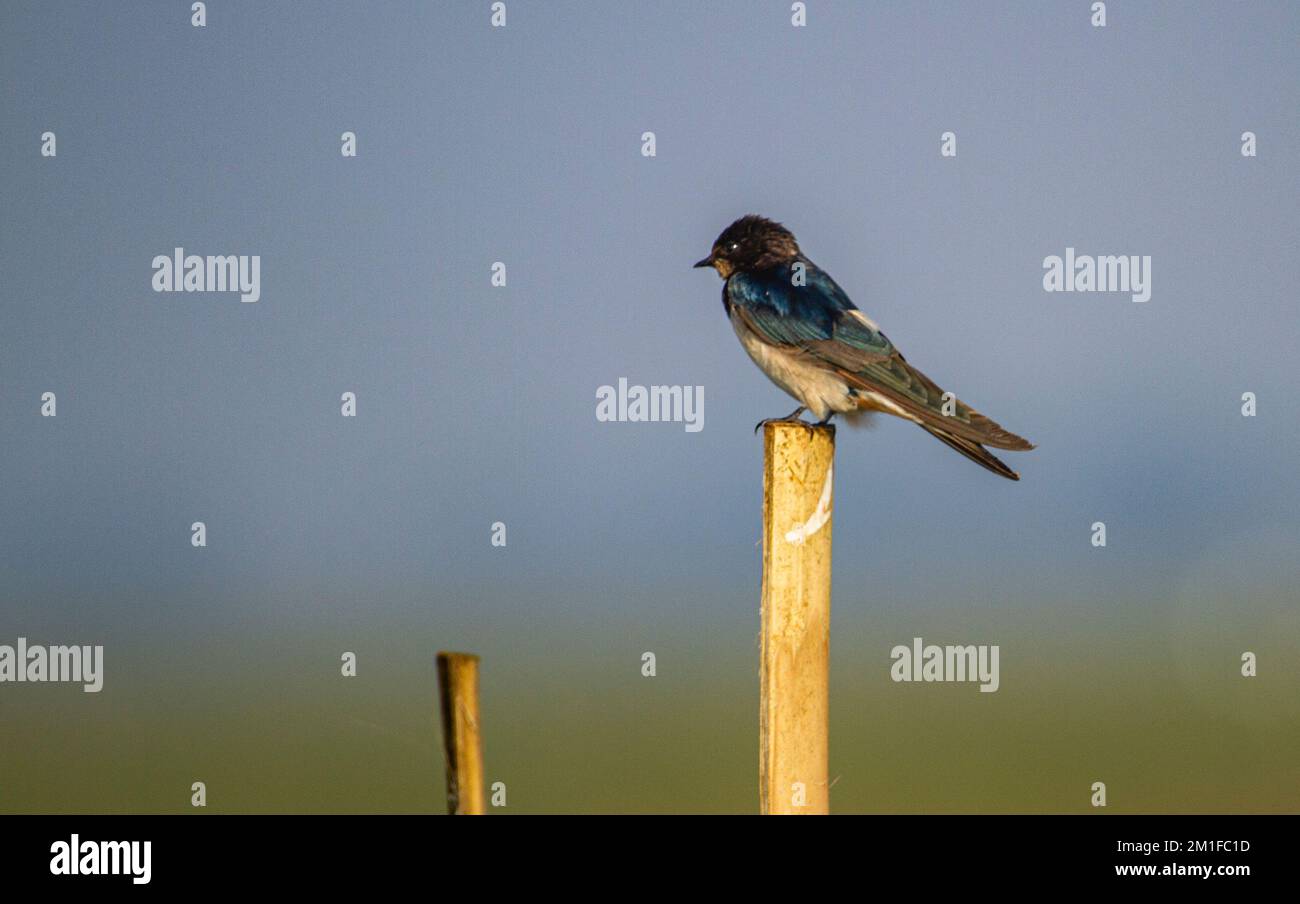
[972, 450]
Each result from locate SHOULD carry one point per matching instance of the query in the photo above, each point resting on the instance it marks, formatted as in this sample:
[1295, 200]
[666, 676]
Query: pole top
[787, 428]
[445, 655]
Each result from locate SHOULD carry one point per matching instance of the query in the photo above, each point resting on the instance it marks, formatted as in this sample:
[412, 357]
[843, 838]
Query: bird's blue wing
[815, 315]
[817, 318]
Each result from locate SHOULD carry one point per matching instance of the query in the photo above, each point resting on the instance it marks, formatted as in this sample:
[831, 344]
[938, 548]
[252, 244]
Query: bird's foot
[791, 418]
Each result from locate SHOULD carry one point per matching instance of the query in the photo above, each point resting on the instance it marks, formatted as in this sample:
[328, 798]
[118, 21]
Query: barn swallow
[802, 330]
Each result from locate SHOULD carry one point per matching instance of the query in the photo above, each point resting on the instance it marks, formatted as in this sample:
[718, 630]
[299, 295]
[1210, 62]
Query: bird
[802, 330]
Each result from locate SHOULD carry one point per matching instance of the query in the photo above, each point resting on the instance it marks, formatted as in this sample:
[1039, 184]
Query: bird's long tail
[972, 450]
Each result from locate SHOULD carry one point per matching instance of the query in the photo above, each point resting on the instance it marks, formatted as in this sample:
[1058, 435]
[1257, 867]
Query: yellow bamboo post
[794, 714]
[458, 689]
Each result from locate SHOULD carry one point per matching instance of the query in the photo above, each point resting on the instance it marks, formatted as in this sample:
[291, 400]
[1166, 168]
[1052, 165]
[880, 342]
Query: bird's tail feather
[972, 450]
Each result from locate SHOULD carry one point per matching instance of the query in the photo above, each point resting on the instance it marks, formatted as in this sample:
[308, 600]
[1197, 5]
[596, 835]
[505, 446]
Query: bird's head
[751, 243]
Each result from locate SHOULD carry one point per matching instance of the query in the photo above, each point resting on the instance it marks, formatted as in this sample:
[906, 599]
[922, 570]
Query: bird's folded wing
[917, 394]
[784, 314]
[820, 320]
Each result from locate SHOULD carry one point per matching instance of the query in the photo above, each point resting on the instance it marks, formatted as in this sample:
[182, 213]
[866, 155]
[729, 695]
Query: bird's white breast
[818, 389]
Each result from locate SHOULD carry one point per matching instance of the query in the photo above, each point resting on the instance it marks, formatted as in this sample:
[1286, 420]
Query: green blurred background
[1150, 701]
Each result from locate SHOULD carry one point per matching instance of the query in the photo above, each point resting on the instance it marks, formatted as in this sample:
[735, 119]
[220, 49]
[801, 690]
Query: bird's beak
[707, 262]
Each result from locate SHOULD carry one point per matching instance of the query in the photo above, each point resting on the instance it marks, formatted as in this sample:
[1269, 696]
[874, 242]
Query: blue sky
[522, 145]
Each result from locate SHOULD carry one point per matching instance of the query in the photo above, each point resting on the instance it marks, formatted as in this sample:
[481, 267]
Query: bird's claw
[791, 418]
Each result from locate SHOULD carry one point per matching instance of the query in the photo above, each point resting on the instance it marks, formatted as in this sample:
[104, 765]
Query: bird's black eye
[734, 246]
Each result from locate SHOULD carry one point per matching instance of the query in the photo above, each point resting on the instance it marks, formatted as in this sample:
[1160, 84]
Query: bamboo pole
[794, 714]
[458, 690]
